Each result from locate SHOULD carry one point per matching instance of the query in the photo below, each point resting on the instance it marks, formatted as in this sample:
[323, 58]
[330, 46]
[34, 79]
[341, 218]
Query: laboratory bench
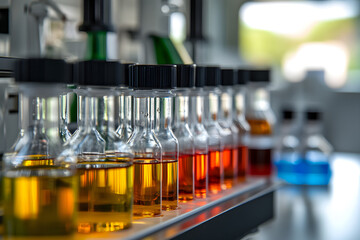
[231, 214]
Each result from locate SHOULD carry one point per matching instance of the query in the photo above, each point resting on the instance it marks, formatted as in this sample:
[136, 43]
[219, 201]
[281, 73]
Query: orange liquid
[186, 177]
[170, 184]
[147, 187]
[216, 171]
[201, 175]
[230, 159]
[243, 155]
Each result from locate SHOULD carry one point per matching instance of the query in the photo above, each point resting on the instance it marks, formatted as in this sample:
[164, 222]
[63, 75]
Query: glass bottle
[40, 188]
[287, 155]
[261, 119]
[201, 137]
[241, 123]
[144, 143]
[185, 81]
[315, 151]
[166, 75]
[105, 163]
[216, 168]
[230, 133]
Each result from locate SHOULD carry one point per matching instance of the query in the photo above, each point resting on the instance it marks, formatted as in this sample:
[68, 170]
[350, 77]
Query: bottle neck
[212, 105]
[181, 108]
[164, 101]
[239, 103]
[87, 111]
[259, 98]
[197, 107]
[226, 105]
[125, 109]
[144, 110]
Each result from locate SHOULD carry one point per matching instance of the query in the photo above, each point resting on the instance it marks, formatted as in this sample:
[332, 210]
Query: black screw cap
[228, 77]
[185, 75]
[153, 77]
[42, 70]
[100, 73]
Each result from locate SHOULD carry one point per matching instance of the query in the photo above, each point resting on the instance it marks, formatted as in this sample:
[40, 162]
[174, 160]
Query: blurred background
[312, 47]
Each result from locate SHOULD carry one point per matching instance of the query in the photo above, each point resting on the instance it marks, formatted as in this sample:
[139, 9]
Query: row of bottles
[147, 137]
[302, 154]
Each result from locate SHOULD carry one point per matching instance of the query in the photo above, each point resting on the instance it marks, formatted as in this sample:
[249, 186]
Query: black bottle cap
[228, 77]
[97, 16]
[243, 76]
[259, 75]
[287, 114]
[100, 73]
[185, 75]
[200, 76]
[153, 77]
[313, 115]
[42, 70]
[212, 76]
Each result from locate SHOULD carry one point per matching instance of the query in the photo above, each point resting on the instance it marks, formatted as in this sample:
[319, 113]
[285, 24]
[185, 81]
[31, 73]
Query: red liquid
[230, 161]
[216, 171]
[260, 162]
[186, 177]
[201, 175]
[243, 158]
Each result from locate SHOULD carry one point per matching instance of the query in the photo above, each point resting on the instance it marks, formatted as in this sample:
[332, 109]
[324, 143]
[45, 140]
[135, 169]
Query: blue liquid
[313, 170]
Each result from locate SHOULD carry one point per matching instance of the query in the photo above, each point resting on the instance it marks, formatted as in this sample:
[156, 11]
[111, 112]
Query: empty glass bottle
[241, 123]
[105, 163]
[212, 77]
[163, 130]
[40, 187]
[144, 143]
[201, 137]
[261, 119]
[230, 133]
[185, 81]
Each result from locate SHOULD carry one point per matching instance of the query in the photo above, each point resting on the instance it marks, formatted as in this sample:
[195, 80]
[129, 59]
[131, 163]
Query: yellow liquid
[39, 201]
[147, 187]
[170, 187]
[105, 196]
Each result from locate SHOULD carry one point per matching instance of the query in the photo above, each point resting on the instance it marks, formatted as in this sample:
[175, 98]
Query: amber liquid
[147, 187]
[170, 185]
[243, 155]
[201, 175]
[216, 171]
[260, 159]
[39, 199]
[105, 196]
[186, 177]
[230, 161]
